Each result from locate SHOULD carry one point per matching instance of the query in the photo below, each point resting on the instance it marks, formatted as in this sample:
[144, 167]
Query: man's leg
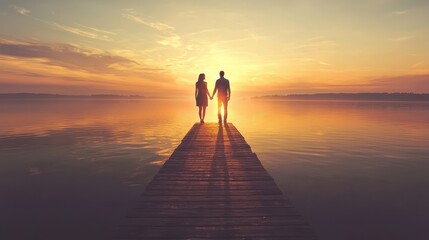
[225, 110]
[219, 110]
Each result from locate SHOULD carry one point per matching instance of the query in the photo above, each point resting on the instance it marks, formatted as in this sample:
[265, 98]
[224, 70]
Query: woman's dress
[202, 99]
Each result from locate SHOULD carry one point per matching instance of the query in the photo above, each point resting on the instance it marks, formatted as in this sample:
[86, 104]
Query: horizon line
[18, 95]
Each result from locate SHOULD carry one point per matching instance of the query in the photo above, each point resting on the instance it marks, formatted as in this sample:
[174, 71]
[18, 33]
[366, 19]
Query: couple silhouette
[223, 95]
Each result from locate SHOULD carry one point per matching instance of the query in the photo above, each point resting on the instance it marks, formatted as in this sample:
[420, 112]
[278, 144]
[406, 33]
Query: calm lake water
[71, 169]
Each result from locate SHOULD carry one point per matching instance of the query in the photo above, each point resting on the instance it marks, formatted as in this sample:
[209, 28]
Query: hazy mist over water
[71, 169]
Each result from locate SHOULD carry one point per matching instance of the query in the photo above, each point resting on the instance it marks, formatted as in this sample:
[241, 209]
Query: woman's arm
[196, 91]
[208, 93]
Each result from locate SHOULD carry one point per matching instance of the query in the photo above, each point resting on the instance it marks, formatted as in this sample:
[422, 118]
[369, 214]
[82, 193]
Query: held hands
[211, 97]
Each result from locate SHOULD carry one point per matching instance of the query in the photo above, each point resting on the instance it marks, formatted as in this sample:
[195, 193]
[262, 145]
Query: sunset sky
[158, 48]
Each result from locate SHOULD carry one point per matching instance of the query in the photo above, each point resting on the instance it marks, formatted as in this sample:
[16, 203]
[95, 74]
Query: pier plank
[213, 187]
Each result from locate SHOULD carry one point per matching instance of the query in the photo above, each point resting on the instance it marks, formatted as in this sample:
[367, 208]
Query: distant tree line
[49, 96]
[351, 96]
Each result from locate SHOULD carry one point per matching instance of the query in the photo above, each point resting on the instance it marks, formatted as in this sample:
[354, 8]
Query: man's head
[221, 73]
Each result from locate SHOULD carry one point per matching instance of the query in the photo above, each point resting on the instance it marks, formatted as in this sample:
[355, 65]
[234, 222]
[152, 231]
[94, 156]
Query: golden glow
[291, 116]
[159, 48]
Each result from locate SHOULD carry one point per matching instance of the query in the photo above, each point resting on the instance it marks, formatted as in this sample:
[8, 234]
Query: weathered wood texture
[213, 187]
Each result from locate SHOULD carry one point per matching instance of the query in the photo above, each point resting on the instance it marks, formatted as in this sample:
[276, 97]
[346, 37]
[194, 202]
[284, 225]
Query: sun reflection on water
[100, 150]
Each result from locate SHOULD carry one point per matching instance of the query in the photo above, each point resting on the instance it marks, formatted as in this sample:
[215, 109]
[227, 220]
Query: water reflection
[357, 170]
[71, 169]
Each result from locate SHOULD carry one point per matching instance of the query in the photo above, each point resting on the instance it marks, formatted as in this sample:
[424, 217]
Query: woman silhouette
[201, 93]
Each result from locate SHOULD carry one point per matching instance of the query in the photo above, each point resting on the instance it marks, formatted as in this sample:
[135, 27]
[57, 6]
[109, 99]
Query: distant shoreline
[60, 96]
[350, 97]
[402, 97]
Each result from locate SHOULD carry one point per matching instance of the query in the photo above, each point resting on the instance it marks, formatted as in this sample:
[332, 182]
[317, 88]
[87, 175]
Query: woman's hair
[201, 77]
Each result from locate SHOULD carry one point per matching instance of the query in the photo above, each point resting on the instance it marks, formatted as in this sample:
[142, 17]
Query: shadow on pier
[213, 187]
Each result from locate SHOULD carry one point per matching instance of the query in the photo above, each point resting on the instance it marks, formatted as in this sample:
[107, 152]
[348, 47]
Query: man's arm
[228, 90]
[214, 90]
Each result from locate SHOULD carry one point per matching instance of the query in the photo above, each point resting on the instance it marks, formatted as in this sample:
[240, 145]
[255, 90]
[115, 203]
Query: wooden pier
[214, 187]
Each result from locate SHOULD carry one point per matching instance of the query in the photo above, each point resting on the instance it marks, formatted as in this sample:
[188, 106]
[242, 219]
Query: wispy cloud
[402, 38]
[168, 37]
[173, 41]
[324, 63]
[407, 83]
[403, 12]
[316, 42]
[66, 55]
[311, 60]
[202, 32]
[81, 30]
[248, 36]
[421, 65]
[131, 15]
[97, 30]
[85, 31]
[21, 10]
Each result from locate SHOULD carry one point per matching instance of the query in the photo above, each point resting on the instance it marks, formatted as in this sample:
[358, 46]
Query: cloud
[402, 38]
[57, 86]
[65, 55]
[407, 83]
[82, 30]
[21, 10]
[88, 32]
[421, 65]
[169, 38]
[403, 12]
[97, 30]
[202, 32]
[404, 83]
[173, 41]
[131, 15]
[318, 42]
[299, 85]
[311, 60]
[251, 37]
[72, 69]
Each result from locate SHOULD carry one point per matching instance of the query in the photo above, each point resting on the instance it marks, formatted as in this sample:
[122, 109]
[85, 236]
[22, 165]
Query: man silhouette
[223, 96]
